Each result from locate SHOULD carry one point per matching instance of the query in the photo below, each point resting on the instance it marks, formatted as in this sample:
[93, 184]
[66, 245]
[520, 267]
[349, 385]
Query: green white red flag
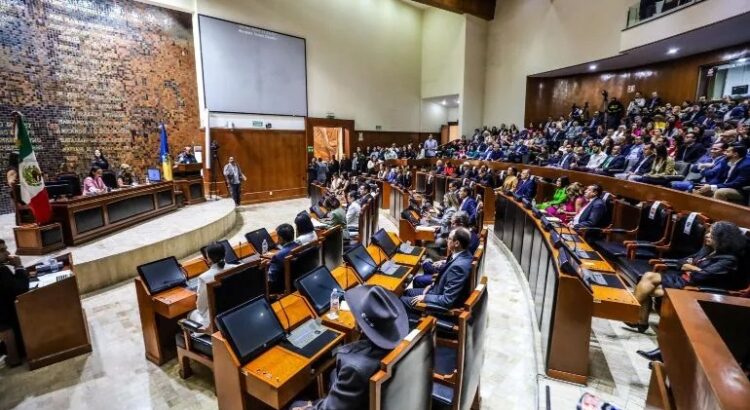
[30, 177]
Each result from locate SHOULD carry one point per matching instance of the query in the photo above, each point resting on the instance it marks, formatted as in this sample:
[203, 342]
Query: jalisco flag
[30, 175]
[166, 161]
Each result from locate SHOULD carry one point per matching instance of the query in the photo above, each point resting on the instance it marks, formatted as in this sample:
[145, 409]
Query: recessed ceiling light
[444, 102]
[592, 67]
[673, 50]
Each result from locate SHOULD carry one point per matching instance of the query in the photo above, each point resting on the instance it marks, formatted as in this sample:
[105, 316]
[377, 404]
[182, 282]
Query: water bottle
[264, 247]
[334, 313]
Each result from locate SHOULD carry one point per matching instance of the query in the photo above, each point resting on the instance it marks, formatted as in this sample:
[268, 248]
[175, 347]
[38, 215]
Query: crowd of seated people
[698, 147]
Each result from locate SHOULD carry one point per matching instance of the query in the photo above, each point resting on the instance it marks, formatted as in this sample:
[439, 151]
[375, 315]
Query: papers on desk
[51, 278]
[553, 219]
[421, 228]
[318, 224]
[343, 306]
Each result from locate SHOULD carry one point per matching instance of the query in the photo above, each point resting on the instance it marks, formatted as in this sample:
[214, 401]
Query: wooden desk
[345, 276]
[564, 306]
[159, 315]
[276, 376]
[53, 323]
[701, 339]
[385, 193]
[188, 180]
[87, 217]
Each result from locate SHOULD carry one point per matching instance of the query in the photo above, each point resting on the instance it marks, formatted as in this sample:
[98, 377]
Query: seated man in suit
[709, 169]
[468, 204]
[592, 215]
[451, 288]
[526, 185]
[13, 281]
[735, 175]
[643, 166]
[286, 241]
[383, 322]
[613, 163]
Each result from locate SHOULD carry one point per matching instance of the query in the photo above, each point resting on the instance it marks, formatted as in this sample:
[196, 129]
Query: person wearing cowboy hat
[382, 320]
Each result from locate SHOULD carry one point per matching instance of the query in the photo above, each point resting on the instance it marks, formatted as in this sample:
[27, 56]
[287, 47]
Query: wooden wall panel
[386, 138]
[675, 80]
[480, 8]
[273, 161]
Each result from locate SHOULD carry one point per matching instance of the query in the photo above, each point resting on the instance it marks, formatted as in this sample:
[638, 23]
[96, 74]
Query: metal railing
[647, 10]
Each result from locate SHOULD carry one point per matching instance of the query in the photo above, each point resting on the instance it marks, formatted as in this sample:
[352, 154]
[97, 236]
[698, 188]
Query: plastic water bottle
[265, 247]
[334, 313]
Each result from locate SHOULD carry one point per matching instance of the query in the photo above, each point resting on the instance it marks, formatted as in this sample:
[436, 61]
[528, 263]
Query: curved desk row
[681, 201]
[564, 305]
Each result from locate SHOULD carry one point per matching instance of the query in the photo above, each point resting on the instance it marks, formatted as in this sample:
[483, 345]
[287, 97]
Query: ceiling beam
[484, 9]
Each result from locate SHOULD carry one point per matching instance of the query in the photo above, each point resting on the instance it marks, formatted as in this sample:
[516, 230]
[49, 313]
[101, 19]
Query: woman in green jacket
[560, 196]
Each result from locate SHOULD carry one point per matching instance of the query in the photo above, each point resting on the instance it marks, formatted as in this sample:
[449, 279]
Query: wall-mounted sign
[257, 124]
[310, 149]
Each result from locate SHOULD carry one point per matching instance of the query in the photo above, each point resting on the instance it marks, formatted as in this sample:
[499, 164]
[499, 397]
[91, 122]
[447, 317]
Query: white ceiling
[726, 33]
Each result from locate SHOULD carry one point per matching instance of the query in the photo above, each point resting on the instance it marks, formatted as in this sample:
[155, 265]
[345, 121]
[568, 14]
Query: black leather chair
[653, 225]
[110, 179]
[301, 260]
[404, 380]
[333, 247]
[228, 289]
[458, 365]
[74, 181]
[681, 242]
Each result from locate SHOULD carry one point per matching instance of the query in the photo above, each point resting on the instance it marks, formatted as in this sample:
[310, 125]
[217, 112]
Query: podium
[188, 180]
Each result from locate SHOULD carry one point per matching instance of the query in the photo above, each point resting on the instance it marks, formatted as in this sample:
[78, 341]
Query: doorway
[328, 142]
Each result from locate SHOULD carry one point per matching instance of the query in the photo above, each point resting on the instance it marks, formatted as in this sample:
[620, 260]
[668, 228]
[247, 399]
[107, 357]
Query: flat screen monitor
[361, 261]
[229, 255]
[256, 238]
[250, 328]
[383, 240]
[162, 274]
[569, 265]
[317, 286]
[154, 175]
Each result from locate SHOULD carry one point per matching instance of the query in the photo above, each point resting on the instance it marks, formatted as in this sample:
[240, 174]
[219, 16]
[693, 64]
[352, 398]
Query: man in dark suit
[568, 158]
[643, 166]
[526, 185]
[383, 322]
[592, 215]
[735, 173]
[468, 204]
[451, 288]
[654, 101]
[285, 233]
[13, 281]
[614, 163]
[690, 151]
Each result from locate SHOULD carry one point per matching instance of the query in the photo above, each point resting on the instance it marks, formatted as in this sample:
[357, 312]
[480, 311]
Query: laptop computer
[391, 248]
[161, 275]
[154, 175]
[257, 237]
[317, 211]
[316, 286]
[252, 328]
[365, 266]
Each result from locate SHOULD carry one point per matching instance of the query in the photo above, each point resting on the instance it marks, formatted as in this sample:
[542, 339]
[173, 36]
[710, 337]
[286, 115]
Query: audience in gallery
[650, 141]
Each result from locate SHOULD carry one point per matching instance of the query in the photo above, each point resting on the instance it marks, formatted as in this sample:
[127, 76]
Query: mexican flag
[33, 192]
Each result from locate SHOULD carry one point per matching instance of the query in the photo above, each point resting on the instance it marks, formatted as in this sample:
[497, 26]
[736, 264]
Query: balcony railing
[647, 10]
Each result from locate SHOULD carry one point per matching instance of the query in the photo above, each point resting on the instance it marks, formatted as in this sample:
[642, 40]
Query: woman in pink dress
[567, 211]
[93, 184]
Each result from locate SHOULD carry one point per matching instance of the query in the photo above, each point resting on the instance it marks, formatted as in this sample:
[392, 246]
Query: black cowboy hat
[379, 313]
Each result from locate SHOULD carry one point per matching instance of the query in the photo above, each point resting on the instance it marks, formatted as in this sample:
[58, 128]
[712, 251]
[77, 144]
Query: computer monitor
[250, 328]
[256, 238]
[361, 261]
[317, 286]
[162, 274]
[229, 255]
[569, 265]
[317, 211]
[57, 190]
[383, 240]
[154, 175]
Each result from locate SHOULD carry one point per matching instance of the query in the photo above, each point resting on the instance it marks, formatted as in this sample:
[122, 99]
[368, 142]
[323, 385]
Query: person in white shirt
[597, 157]
[215, 253]
[353, 210]
[430, 147]
[305, 229]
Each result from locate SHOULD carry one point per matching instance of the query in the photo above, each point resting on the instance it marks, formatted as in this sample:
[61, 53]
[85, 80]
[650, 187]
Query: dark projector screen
[251, 70]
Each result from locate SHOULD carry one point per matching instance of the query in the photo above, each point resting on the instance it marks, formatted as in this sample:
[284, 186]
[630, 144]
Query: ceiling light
[742, 60]
[673, 50]
[444, 102]
[592, 67]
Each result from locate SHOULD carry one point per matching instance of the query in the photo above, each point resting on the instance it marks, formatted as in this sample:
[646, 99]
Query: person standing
[99, 161]
[234, 176]
[430, 147]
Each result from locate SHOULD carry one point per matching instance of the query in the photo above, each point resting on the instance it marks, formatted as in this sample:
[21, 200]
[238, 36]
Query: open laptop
[386, 243]
[570, 265]
[163, 274]
[317, 211]
[365, 266]
[154, 175]
[256, 239]
[252, 328]
[316, 286]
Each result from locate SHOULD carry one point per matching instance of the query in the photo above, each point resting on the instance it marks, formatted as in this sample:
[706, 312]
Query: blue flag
[164, 158]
